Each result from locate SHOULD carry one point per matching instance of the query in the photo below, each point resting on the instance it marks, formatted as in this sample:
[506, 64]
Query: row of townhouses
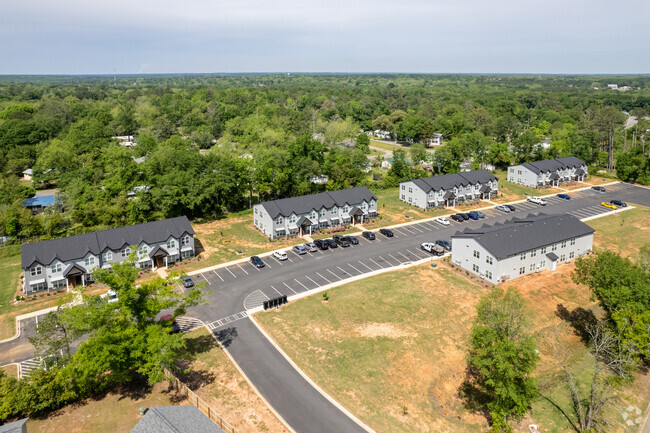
[449, 189]
[548, 172]
[303, 215]
[520, 246]
[70, 261]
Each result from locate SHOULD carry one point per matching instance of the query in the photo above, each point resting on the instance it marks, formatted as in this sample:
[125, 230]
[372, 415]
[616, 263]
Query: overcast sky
[176, 36]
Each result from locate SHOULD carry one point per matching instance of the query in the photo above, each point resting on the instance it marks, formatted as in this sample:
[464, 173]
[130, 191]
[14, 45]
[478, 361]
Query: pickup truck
[432, 248]
[536, 200]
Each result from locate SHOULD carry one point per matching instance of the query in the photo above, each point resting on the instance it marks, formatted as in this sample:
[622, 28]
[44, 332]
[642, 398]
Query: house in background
[303, 215]
[548, 172]
[37, 204]
[28, 175]
[449, 189]
[125, 140]
[67, 262]
[175, 419]
[521, 246]
[436, 140]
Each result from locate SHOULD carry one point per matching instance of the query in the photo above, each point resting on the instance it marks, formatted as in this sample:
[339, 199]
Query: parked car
[442, 220]
[311, 247]
[608, 205]
[368, 235]
[536, 200]
[386, 232]
[564, 196]
[433, 248]
[280, 255]
[598, 188]
[175, 327]
[353, 240]
[464, 215]
[187, 282]
[299, 249]
[342, 240]
[473, 215]
[111, 296]
[618, 203]
[321, 244]
[257, 262]
[332, 243]
[456, 217]
[480, 214]
[503, 208]
[511, 207]
[445, 244]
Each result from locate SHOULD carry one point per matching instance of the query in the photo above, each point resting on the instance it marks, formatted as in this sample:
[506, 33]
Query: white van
[280, 255]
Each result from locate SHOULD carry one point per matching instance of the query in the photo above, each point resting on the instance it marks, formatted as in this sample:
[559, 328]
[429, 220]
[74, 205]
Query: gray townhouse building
[548, 172]
[303, 215]
[521, 246]
[449, 189]
[67, 262]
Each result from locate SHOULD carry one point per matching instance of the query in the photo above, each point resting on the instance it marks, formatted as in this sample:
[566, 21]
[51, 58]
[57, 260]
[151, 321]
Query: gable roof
[306, 203]
[14, 427]
[175, 419]
[449, 181]
[538, 167]
[76, 247]
[524, 234]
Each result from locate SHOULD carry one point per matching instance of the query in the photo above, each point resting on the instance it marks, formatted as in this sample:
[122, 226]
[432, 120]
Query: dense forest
[212, 144]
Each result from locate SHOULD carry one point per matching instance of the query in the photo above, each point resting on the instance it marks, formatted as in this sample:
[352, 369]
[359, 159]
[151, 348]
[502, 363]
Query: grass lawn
[391, 348]
[624, 232]
[509, 191]
[115, 411]
[394, 211]
[214, 378]
[386, 146]
[11, 370]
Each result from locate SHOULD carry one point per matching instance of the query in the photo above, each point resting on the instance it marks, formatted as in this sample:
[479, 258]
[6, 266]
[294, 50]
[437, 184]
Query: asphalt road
[238, 288]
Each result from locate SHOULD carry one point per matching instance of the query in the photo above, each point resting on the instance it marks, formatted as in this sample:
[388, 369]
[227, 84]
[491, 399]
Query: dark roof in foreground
[449, 181]
[75, 247]
[538, 167]
[524, 234]
[306, 203]
[175, 419]
[13, 427]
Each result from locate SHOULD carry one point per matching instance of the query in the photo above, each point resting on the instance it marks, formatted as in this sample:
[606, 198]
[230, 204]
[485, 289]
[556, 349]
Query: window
[573, 241]
[542, 264]
[89, 261]
[38, 286]
[477, 254]
[522, 256]
[488, 274]
[346, 209]
[403, 187]
[60, 284]
[322, 213]
[56, 268]
[185, 240]
[279, 220]
[572, 254]
[334, 210]
[403, 197]
[145, 265]
[186, 254]
[36, 270]
[171, 243]
[533, 253]
[364, 206]
[440, 193]
[543, 250]
[172, 259]
[372, 203]
[312, 215]
[292, 219]
[522, 270]
[410, 199]
[142, 251]
[512, 170]
[475, 268]
[563, 244]
[107, 256]
[562, 257]
[553, 247]
[532, 268]
[126, 251]
[488, 260]
[518, 171]
[255, 211]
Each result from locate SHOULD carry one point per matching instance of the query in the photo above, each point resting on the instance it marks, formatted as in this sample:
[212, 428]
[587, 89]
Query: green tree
[363, 143]
[501, 359]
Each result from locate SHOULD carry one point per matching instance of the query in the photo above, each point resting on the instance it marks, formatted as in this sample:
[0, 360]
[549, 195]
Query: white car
[111, 296]
[280, 255]
[536, 200]
[433, 248]
[442, 220]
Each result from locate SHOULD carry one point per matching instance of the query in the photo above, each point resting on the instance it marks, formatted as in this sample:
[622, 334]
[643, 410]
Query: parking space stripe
[276, 290]
[242, 268]
[369, 268]
[418, 254]
[380, 266]
[276, 260]
[333, 274]
[209, 283]
[317, 285]
[393, 257]
[287, 286]
[233, 275]
[404, 256]
[323, 278]
[300, 284]
[217, 275]
[350, 265]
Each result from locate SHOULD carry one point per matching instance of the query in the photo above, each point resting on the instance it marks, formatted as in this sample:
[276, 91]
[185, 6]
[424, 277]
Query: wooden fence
[200, 403]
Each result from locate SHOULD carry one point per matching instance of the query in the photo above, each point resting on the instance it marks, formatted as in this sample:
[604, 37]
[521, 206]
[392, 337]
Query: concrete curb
[308, 379]
[612, 212]
[282, 420]
[17, 323]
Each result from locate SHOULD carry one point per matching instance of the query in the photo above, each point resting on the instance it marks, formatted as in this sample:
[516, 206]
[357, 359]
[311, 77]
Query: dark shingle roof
[449, 181]
[524, 234]
[175, 419]
[76, 247]
[306, 203]
[13, 427]
[538, 167]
